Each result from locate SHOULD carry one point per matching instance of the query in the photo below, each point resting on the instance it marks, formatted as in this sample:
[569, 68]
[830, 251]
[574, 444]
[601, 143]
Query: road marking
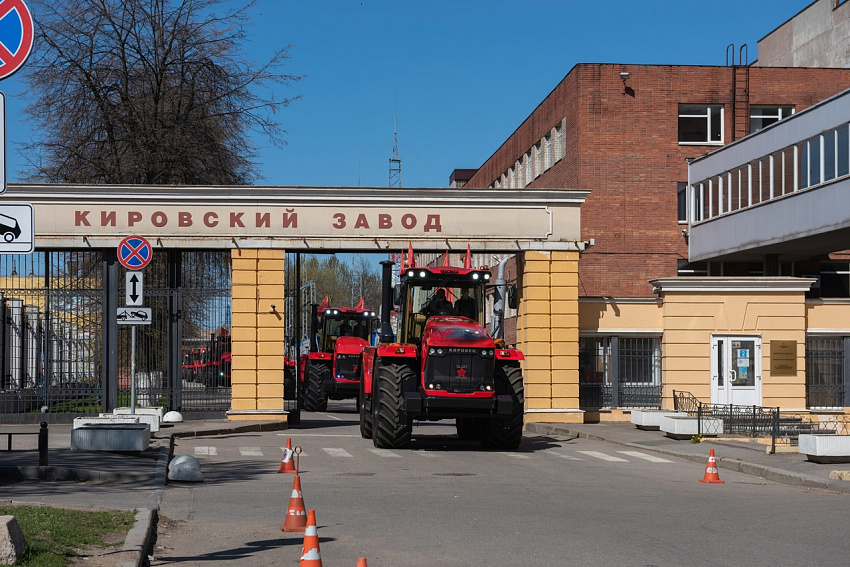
[336, 452]
[384, 453]
[515, 455]
[644, 456]
[202, 450]
[603, 456]
[331, 416]
[316, 435]
[251, 451]
[427, 454]
[563, 456]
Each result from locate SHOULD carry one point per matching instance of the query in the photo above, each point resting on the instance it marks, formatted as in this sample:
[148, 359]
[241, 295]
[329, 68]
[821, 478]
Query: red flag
[446, 259]
[323, 305]
[362, 305]
[467, 262]
[411, 259]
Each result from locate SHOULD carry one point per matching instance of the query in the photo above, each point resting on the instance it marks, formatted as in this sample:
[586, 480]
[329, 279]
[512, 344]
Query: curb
[736, 465]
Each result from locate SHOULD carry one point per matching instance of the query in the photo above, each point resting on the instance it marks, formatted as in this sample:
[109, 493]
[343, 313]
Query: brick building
[626, 133]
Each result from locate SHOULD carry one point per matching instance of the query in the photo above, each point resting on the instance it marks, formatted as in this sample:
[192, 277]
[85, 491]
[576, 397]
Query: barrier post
[42, 445]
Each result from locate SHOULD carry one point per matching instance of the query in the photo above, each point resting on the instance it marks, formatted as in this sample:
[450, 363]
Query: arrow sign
[134, 284]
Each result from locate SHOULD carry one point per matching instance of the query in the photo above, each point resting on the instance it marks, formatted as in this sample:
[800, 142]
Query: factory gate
[63, 352]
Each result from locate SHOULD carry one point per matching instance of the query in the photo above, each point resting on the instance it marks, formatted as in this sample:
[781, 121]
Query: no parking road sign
[134, 252]
[16, 35]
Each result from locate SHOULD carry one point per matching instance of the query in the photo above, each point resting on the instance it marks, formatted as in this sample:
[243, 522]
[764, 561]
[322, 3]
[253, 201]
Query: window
[685, 268]
[835, 279]
[682, 201]
[547, 160]
[761, 116]
[620, 372]
[700, 124]
[826, 367]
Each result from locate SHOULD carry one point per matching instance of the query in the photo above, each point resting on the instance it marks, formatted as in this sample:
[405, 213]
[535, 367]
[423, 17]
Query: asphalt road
[555, 501]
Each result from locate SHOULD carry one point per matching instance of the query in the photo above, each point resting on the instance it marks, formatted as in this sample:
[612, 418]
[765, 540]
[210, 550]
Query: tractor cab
[438, 291]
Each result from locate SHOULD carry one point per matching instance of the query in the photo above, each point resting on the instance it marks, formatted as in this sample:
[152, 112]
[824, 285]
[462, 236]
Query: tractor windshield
[463, 301]
[349, 327]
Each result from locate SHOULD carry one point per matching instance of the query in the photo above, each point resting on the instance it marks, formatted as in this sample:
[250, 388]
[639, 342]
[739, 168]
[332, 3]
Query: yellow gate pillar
[257, 342]
[547, 333]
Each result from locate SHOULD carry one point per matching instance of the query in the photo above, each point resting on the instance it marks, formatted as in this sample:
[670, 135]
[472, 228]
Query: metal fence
[755, 421]
[52, 320]
[826, 367]
[620, 372]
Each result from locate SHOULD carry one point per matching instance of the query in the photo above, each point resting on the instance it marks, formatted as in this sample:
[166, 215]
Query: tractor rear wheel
[505, 433]
[315, 398]
[391, 430]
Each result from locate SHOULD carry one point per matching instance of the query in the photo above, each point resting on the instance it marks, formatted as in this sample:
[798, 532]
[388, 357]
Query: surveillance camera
[624, 75]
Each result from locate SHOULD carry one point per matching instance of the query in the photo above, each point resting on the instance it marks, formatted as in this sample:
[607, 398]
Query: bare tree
[148, 92]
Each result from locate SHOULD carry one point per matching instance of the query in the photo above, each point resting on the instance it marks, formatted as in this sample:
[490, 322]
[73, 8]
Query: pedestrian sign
[134, 252]
[16, 35]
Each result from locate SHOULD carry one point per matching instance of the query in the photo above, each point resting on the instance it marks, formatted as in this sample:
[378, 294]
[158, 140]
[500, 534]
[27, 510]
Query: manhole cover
[454, 474]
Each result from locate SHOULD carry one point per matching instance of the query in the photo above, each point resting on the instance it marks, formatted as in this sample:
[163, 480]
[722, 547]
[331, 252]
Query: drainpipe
[499, 300]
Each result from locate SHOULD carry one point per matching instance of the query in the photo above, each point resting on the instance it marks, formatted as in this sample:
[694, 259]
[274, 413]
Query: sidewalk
[135, 482]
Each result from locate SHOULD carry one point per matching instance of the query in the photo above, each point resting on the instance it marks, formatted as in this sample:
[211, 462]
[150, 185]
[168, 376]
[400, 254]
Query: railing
[756, 421]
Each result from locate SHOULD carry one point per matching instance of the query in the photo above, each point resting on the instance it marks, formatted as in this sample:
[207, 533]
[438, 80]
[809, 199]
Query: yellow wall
[611, 314]
[547, 334]
[257, 342]
[828, 316]
[692, 316]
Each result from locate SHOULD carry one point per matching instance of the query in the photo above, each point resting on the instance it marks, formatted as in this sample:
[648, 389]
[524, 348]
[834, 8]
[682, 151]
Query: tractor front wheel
[505, 433]
[365, 406]
[315, 398]
[391, 429]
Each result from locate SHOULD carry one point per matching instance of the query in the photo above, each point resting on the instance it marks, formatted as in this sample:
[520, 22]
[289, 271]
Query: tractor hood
[350, 345]
[450, 330]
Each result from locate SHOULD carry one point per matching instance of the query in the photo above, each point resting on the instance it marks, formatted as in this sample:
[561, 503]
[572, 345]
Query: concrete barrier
[685, 426]
[151, 416]
[104, 419]
[111, 437]
[828, 448]
[650, 419]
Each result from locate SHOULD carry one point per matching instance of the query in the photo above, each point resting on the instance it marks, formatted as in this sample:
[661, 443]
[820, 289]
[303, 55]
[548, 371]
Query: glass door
[736, 370]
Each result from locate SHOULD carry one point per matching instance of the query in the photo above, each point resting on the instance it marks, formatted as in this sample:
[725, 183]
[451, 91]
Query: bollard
[42, 445]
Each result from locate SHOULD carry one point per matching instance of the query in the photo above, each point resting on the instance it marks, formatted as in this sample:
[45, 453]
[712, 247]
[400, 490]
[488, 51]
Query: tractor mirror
[398, 295]
[512, 297]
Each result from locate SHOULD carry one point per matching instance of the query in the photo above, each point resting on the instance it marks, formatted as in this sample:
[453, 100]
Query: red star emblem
[461, 372]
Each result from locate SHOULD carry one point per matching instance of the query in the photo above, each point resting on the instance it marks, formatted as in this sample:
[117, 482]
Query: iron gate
[55, 311]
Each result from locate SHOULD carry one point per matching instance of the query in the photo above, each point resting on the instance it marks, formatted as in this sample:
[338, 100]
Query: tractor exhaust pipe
[386, 300]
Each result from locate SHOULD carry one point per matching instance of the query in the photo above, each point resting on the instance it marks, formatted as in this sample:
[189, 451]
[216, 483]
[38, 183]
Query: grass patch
[55, 534]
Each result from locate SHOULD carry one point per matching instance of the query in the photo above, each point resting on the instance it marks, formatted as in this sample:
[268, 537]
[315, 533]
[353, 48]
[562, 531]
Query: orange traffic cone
[310, 555]
[286, 464]
[296, 517]
[361, 562]
[711, 475]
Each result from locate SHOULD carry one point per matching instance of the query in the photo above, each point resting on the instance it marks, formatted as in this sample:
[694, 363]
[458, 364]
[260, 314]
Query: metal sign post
[133, 369]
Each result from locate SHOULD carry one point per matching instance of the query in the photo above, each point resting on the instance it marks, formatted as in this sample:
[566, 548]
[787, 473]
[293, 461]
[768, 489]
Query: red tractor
[331, 370]
[442, 365]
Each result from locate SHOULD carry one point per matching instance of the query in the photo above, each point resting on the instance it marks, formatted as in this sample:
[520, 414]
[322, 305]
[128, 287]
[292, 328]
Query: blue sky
[458, 76]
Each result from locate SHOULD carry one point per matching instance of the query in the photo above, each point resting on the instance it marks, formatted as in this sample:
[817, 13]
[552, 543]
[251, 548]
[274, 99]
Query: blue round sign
[134, 252]
[16, 35]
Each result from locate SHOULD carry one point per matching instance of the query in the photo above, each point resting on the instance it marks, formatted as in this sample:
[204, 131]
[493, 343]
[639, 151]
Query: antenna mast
[395, 161]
